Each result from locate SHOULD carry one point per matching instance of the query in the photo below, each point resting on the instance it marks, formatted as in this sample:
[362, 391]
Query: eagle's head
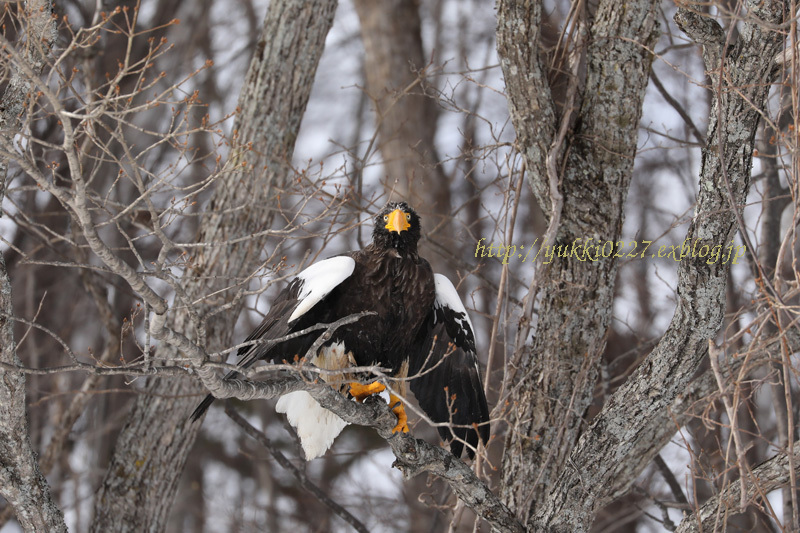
[397, 226]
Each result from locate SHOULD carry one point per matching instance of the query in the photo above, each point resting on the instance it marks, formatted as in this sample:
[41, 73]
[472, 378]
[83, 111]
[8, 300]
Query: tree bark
[530, 101]
[600, 466]
[22, 483]
[140, 483]
[404, 103]
[553, 377]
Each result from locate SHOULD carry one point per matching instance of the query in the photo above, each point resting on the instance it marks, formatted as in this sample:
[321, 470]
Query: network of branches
[123, 143]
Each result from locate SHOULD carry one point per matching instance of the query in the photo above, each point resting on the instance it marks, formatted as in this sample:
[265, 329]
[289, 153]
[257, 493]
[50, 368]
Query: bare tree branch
[301, 476]
[766, 477]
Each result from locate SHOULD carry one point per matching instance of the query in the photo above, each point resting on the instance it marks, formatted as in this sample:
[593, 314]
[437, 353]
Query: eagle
[420, 332]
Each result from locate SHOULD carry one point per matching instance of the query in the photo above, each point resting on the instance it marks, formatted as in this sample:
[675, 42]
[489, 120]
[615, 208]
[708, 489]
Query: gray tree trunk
[404, 102]
[140, 483]
[554, 376]
[22, 483]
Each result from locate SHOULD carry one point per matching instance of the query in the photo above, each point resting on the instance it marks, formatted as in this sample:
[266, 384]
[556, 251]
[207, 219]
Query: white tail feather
[315, 425]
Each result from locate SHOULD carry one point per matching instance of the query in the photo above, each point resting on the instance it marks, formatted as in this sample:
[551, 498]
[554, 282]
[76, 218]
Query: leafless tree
[611, 185]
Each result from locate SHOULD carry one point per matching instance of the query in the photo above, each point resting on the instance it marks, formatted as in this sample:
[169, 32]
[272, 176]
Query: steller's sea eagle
[420, 331]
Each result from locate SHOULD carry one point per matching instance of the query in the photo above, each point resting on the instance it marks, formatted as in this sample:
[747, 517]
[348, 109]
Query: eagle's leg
[359, 391]
[399, 410]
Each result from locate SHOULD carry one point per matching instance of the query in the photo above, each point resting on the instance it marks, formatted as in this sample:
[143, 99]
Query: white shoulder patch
[447, 296]
[319, 280]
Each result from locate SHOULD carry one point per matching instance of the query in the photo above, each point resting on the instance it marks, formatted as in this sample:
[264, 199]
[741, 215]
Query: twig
[241, 389]
[501, 286]
[665, 94]
[770, 475]
[669, 477]
[301, 476]
[136, 370]
[713, 357]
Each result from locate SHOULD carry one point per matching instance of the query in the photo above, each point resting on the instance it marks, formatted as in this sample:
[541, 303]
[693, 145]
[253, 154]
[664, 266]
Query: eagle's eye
[408, 217]
[386, 218]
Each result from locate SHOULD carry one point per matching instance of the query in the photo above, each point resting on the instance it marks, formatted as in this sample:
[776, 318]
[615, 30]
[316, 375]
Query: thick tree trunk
[404, 105]
[554, 376]
[22, 483]
[139, 486]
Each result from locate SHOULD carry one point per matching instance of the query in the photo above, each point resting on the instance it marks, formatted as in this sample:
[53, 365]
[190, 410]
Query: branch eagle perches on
[412, 456]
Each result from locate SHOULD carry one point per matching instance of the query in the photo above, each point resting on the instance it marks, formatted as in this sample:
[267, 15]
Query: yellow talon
[399, 410]
[359, 391]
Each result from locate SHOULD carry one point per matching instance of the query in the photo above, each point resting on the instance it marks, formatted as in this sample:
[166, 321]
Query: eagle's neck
[408, 252]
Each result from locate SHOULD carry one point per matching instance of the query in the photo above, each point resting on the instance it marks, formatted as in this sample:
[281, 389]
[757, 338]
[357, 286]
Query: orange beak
[397, 221]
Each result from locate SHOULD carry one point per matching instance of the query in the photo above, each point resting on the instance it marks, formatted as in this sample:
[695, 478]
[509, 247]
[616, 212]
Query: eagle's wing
[305, 291]
[448, 386]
